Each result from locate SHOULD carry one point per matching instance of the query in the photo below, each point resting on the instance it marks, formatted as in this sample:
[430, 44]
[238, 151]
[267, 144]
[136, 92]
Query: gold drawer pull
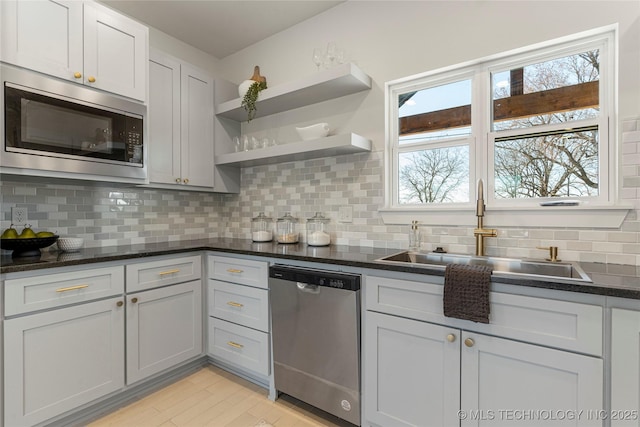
[72, 288]
[164, 273]
[234, 344]
[234, 270]
[235, 304]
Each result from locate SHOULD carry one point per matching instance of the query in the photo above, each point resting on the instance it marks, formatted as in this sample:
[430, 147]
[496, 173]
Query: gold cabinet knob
[91, 79]
[178, 180]
[77, 75]
[134, 300]
[451, 337]
[186, 180]
[119, 303]
[469, 342]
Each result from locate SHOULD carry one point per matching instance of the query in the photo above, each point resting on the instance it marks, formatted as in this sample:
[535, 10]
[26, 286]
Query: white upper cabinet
[43, 36]
[181, 143]
[197, 127]
[115, 52]
[164, 119]
[83, 42]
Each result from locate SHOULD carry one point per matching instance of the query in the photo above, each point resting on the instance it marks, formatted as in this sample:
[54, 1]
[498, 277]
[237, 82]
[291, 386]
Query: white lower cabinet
[506, 383]
[457, 373]
[164, 314]
[73, 333]
[58, 360]
[164, 328]
[238, 309]
[625, 367]
[412, 372]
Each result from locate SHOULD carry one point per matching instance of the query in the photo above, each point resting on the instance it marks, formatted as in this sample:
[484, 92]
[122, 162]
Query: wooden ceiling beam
[575, 97]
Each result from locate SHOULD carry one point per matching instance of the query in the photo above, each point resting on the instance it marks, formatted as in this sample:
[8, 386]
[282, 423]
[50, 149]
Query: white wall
[181, 50]
[393, 39]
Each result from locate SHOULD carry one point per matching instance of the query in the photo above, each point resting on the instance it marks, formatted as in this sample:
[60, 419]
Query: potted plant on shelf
[249, 91]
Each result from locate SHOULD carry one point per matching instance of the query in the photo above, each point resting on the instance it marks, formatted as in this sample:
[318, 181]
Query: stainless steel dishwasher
[315, 327]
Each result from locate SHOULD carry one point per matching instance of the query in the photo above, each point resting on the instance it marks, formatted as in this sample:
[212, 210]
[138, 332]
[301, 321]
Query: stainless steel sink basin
[505, 267]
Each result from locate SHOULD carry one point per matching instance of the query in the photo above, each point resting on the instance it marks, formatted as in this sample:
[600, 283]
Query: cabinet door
[625, 367]
[197, 127]
[164, 328]
[43, 35]
[164, 119]
[115, 52]
[58, 360]
[411, 371]
[507, 383]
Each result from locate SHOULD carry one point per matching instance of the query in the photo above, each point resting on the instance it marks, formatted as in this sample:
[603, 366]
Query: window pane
[436, 112]
[557, 91]
[562, 164]
[438, 175]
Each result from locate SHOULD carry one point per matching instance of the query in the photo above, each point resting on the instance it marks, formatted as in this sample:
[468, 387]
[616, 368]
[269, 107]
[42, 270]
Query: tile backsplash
[113, 215]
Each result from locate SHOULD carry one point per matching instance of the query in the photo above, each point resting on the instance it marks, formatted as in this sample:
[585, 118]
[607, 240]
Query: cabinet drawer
[243, 271]
[240, 346]
[54, 290]
[152, 274]
[239, 304]
[561, 324]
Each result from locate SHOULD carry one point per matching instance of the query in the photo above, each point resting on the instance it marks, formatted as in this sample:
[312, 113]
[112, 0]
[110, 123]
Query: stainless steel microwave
[55, 128]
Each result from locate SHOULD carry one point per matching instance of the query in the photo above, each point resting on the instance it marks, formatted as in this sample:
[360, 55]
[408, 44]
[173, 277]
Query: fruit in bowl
[28, 243]
[9, 233]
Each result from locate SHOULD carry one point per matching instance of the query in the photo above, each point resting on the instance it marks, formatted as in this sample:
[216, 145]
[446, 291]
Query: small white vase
[244, 87]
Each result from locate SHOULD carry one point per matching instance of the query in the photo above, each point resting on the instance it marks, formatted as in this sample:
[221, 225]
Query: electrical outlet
[345, 214]
[19, 216]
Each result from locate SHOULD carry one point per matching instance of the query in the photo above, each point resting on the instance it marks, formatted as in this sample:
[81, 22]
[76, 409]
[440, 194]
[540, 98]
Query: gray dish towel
[466, 292]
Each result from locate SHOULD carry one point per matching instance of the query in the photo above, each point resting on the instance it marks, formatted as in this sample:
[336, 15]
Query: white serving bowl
[316, 131]
[70, 244]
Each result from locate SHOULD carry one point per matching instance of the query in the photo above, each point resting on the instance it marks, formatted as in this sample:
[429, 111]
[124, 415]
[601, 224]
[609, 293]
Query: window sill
[548, 217]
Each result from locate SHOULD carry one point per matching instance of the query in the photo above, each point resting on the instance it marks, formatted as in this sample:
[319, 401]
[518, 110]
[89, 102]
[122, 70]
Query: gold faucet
[553, 253]
[480, 232]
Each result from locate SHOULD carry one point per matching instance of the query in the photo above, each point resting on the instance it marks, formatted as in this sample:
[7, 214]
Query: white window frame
[601, 211]
[396, 149]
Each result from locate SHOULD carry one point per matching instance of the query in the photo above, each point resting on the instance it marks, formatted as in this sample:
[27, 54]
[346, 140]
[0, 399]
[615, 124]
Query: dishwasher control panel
[332, 279]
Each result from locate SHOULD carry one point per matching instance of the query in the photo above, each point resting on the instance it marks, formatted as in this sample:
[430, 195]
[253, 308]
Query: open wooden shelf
[322, 147]
[321, 86]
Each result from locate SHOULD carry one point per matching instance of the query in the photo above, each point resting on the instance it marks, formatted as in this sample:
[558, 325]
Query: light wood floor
[213, 397]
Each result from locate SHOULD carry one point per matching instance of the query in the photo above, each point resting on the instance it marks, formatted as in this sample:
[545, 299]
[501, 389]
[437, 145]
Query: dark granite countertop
[608, 279]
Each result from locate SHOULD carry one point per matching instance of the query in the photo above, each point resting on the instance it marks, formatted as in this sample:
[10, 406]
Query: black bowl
[27, 247]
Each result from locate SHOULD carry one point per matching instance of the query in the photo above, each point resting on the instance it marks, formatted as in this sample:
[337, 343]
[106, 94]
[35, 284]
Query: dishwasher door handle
[306, 287]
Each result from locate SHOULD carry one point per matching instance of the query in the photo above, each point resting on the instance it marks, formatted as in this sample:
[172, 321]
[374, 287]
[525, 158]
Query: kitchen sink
[503, 267]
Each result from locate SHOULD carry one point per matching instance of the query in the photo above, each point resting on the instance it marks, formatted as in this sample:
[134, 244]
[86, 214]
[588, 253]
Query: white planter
[244, 87]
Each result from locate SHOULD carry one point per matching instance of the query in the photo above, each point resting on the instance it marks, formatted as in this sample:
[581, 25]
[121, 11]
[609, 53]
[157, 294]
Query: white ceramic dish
[70, 244]
[316, 131]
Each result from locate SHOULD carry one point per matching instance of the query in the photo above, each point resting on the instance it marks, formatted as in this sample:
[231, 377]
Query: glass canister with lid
[318, 231]
[262, 228]
[287, 229]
